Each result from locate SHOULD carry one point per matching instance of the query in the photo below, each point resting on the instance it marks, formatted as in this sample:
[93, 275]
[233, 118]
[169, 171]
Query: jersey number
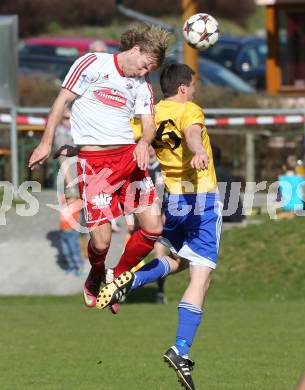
[164, 136]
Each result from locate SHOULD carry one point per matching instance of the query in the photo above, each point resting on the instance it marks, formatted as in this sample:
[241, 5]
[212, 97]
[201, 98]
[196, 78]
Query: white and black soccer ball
[201, 31]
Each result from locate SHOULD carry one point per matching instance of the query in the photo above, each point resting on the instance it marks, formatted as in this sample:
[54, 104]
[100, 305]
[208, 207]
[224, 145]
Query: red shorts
[110, 184]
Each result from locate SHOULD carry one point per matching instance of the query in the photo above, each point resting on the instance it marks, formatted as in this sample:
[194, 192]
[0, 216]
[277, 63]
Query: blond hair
[151, 40]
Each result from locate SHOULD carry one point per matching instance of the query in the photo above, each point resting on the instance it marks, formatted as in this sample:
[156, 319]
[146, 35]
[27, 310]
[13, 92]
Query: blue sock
[150, 272]
[189, 318]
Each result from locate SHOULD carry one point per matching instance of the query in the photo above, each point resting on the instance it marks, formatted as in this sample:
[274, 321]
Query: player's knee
[202, 279]
[157, 229]
[100, 246]
[153, 228]
[174, 263]
[157, 226]
[153, 224]
[182, 264]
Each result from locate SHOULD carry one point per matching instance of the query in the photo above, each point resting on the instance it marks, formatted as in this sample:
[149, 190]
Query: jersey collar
[115, 58]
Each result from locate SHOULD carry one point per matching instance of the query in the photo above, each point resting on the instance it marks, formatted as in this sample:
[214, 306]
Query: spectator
[98, 46]
[68, 165]
[69, 235]
[291, 187]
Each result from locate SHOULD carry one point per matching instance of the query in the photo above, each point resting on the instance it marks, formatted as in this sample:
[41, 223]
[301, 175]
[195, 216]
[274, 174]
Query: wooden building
[285, 25]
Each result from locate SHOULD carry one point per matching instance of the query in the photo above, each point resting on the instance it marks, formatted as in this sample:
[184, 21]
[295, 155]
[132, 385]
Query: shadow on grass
[143, 295]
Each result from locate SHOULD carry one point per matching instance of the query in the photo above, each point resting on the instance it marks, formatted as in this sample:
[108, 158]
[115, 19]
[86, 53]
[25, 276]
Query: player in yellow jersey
[192, 209]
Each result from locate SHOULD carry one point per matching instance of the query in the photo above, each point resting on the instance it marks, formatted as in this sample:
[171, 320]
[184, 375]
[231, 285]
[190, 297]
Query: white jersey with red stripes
[106, 100]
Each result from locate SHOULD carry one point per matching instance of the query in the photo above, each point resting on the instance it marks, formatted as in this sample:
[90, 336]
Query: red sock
[97, 260]
[137, 247]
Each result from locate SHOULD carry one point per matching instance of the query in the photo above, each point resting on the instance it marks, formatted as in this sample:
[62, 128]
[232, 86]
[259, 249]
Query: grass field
[252, 336]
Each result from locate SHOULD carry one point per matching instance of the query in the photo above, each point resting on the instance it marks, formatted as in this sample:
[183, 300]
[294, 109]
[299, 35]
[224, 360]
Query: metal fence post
[250, 157]
[14, 150]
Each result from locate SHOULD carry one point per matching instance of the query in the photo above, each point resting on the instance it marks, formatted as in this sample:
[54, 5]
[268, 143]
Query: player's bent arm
[64, 98]
[141, 152]
[149, 128]
[193, 137]
[43, 150]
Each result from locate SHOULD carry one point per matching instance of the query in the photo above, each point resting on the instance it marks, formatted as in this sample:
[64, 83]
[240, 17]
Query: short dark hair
[172, 76]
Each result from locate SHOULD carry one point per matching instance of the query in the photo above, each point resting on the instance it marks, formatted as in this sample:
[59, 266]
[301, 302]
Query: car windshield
[211, 73]
[222, 53]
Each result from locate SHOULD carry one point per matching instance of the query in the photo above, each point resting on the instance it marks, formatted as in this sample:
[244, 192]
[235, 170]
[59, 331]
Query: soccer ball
[201, 31]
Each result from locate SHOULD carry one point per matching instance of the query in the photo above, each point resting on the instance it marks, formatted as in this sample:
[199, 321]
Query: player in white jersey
[106, 94]
[104, 91]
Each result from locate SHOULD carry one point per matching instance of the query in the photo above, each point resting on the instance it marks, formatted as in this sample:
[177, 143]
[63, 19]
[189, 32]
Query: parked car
[245, 56]
[211, 73]
[61, 46]
[43, 67]
[52, 57]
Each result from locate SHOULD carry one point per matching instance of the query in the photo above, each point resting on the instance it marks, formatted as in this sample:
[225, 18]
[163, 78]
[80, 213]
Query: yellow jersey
[172, 151]
[136, 126]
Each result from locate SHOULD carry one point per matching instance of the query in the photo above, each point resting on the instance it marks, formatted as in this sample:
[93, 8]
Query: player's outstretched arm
[42, 152]
[141, 152]
[193, 136]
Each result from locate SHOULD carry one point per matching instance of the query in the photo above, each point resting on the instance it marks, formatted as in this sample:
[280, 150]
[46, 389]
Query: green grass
[55, 343]
[263, 261]
[252, 336]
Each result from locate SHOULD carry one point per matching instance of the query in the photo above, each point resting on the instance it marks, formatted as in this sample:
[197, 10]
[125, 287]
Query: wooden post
[189, 8]
[273, 71]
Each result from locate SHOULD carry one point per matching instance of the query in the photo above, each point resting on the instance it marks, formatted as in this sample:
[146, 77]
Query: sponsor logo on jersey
[110, 97]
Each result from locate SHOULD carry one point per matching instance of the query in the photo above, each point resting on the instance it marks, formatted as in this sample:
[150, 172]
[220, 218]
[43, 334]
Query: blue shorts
[193, 227]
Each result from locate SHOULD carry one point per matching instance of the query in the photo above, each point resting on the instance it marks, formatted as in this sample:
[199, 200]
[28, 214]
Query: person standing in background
[291, 188]
[98, 46]
[68, 166]
[69, 235]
